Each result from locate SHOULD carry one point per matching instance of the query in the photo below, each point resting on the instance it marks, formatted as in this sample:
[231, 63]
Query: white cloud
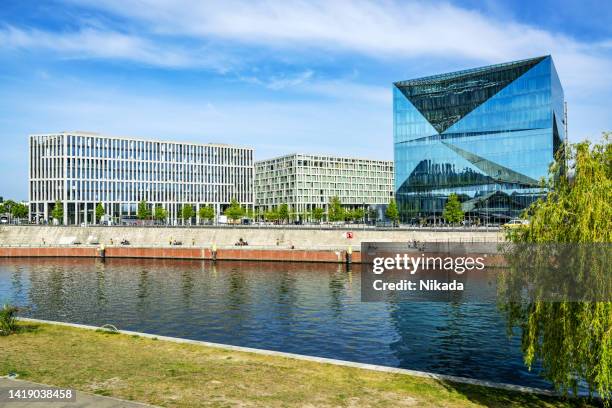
[394, 31]
[273, 127]
[387, 29]
[105, 44]
[278, 82]
[307, 83]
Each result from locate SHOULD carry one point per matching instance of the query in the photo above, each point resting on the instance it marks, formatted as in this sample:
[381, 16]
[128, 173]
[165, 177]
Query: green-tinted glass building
[487, 134]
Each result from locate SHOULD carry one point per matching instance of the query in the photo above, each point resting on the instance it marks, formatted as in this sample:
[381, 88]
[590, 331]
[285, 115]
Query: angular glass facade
[487, 134]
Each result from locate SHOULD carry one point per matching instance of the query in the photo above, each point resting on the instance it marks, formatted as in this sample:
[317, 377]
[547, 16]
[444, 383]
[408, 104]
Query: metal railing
[323, 227]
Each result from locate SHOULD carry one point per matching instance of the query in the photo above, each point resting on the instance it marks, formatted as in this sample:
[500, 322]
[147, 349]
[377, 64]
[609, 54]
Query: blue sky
[285, 76]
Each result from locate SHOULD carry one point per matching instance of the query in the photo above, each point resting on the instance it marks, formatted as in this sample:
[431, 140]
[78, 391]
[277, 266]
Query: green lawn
[185, 375]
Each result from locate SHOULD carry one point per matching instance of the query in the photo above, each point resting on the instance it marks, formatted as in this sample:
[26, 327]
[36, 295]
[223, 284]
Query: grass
[184, 375]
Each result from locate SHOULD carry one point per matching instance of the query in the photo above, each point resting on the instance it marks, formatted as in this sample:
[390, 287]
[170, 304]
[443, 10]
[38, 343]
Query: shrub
[8, 320]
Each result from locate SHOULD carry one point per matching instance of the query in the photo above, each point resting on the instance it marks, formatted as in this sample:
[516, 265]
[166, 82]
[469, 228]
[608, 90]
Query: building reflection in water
[305, 308]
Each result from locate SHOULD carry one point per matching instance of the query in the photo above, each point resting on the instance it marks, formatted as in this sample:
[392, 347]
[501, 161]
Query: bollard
[102, 252]
[214, 251]
[349, 255]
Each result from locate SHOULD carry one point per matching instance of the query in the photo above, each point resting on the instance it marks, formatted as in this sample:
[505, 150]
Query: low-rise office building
[305, 182]
[82, 169]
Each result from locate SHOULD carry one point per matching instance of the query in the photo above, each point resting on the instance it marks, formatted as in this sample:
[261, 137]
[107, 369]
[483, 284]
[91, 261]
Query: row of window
[78, 190]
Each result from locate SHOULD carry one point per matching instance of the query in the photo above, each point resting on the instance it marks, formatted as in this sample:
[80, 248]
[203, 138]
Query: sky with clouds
[281, 76]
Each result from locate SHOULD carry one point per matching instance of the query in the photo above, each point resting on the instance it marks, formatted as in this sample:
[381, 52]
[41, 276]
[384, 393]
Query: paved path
[82, 400]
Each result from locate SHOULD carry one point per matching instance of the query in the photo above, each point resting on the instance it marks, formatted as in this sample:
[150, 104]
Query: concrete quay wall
[226, 237]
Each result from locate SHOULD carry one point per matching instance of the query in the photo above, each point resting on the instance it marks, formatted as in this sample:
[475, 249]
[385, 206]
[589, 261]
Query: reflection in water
[312, 309]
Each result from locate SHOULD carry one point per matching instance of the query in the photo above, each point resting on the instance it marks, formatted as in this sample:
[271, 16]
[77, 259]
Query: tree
[249, 213]
[271, 216]
[318, 214]
[143, 211]
[58, 211]
[391, 212]
[372, 214]
[187, 212]
[336, 212]
[452, 211]
[100, 212]
[160, 213]
[283, 212]
[19, 210]
[8, 206]
[349, 215]
[207, 213]
[358, 214]
[571, 339]
[234, 212]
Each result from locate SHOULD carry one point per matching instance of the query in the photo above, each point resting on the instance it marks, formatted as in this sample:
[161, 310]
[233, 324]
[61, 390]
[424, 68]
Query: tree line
[14, 209]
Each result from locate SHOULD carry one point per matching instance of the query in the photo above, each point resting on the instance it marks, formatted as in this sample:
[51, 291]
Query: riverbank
[207, 243]
[173, 374]
[329, 239]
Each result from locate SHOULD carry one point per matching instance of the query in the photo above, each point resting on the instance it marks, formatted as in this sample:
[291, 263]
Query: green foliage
[577, 210]
[160, 213]
[271, 216]
[8, 320]
[348, 215]
[143, 210]
[207, 212]
[336, 212]
[318, 214]
[100, 211]
[234, 212]
[391, 212]
[8, 206]
[372, 214]
[572, 340]
[187, 212]
[358, 214]
[452, 211]
[19, 210]
[58, 211]
[283, 212]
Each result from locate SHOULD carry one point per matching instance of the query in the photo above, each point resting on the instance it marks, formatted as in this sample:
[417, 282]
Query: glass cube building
[486, 134]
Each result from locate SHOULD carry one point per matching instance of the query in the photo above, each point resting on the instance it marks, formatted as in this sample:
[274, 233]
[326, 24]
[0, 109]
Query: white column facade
[82, 169]
[305, 182]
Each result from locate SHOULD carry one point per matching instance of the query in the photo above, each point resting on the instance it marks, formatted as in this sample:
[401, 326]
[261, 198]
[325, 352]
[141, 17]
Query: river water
[304, 308]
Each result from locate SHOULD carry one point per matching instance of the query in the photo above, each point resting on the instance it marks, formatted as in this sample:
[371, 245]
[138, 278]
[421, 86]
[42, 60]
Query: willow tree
[572, 340]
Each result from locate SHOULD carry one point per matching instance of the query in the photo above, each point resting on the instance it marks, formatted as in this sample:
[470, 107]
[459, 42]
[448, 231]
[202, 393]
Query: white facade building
[82, 169]
[307, 181]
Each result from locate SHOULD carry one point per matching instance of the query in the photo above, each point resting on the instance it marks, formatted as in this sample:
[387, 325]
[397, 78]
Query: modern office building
[487, 134]
[82, 169]
[305, 182]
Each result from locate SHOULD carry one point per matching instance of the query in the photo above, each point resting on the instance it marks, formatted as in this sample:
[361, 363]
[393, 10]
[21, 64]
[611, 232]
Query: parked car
[516, 223]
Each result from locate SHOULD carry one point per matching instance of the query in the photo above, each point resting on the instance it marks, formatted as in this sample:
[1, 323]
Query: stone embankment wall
[225, 237]
[244, 253]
